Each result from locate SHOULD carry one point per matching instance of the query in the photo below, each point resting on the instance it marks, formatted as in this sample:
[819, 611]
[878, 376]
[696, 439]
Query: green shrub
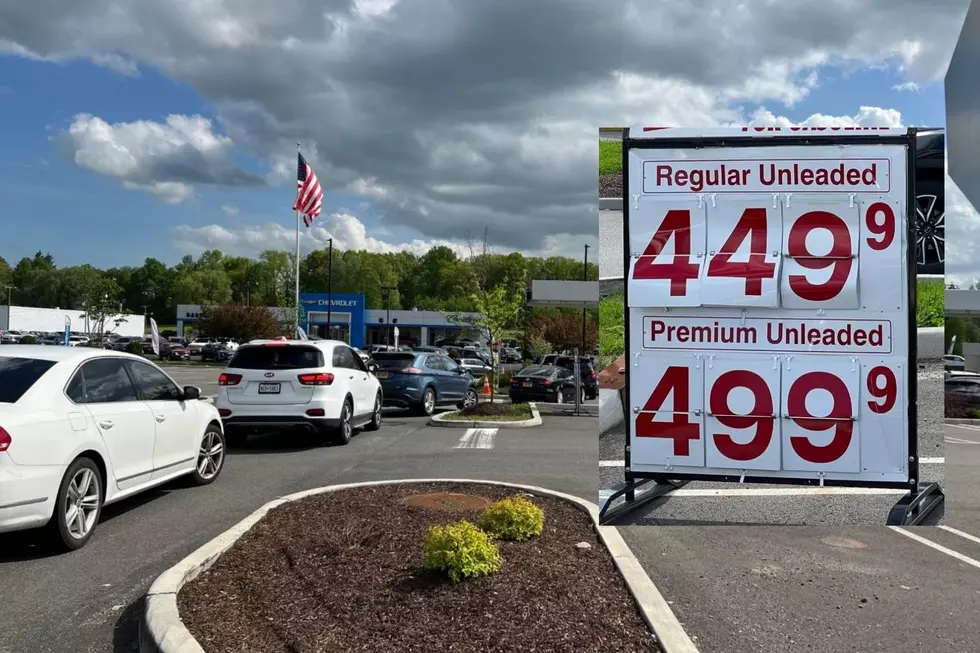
[931, 302]
[515, 518]
[28, 340]
[504, 381]
[134, 347]
[461, 551]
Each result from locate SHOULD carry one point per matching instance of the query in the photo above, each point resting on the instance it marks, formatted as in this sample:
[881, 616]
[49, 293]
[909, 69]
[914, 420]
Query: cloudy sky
[164, 127]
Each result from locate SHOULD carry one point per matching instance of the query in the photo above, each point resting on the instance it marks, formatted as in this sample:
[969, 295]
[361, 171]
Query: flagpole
[297, 256]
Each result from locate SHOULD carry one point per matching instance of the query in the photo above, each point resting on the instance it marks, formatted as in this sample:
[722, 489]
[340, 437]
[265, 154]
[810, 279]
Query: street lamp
[10, 288]
[585, 277]
[386, 293]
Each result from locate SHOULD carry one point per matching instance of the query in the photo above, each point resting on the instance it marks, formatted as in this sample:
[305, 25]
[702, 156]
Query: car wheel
[428, 404]
[345, 429]
[930, 228]
[78, 506]
[375, 423]
[469, 399]
[210, 456]
[560, 396]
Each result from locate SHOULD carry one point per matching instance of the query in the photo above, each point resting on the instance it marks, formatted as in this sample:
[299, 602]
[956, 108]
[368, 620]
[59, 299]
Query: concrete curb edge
[440, 420]
[162, 631]
[962, 420]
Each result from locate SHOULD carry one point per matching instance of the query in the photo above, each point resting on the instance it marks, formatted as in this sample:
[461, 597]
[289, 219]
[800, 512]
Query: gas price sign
[770, 319]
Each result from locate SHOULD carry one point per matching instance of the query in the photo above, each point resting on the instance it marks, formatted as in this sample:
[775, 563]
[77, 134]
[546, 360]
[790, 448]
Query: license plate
[269, 388]
[381, 375]
[529, 384]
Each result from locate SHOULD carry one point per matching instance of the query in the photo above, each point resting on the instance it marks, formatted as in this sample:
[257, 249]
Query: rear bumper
[401, 393]
[27, 494]
[255, 424]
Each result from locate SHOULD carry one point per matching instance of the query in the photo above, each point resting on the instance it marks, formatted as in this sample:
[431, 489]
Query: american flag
[309, 197]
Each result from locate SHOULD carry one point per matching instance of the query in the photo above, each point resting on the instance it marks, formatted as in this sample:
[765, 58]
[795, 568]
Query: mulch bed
[343, 571]
[498, 410]
[611, 185]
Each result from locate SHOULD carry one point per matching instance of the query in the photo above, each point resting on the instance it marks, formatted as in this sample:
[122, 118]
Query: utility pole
[387, 296]
[10, 289]
[585, 277]
[330, 288]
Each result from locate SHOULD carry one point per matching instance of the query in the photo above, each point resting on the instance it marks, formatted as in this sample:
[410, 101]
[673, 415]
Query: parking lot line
[938, 547]
[953, 440]
[612, 463]
[954, 531]
[477, 439]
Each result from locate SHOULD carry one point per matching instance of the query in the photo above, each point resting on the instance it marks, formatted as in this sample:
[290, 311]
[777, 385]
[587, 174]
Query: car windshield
[18, 375]
[276, 358]
[472, 361]
[393, 361]
[538, 371]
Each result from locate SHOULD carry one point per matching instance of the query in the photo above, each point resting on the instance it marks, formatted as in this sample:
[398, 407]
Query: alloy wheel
[82, 503]
[930, 230]
[211, 455]
[345, 422]
[429, 401]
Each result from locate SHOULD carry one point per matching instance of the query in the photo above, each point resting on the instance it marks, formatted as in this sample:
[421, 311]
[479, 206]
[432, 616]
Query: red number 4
[680, 429]
[752, 225]
[679, 270]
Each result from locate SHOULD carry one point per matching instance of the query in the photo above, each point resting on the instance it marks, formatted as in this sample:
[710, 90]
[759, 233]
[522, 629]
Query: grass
[931, 303]
[610, 157]
[612, 329]
[612, 343]
[495, 412]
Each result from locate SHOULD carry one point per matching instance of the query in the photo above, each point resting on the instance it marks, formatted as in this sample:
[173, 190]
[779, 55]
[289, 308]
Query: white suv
[320, 386]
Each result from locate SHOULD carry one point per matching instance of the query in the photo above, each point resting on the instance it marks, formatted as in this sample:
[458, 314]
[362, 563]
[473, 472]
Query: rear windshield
[569, 363]
[17, 375]
[393, 361]
[277, 358]
[542, 372]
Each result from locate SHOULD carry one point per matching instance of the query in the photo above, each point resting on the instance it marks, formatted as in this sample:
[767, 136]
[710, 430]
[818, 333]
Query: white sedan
[82, 428]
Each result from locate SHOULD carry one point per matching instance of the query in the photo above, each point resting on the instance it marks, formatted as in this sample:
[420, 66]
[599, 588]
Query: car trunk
[271, 375]
[394, 366]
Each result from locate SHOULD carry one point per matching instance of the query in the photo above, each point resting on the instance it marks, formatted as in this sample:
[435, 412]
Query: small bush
[461, 551]
[134, 347]
[28, 340]
[515, 518]
[504, 381]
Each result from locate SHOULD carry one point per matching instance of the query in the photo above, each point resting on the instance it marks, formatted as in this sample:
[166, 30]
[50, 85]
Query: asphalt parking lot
[706, 503]
[89, 601]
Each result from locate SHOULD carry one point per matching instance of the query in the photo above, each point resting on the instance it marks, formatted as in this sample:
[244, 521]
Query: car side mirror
[372, 368]
[190, 392]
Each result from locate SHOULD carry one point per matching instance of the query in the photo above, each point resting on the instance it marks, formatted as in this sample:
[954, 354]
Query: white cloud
[230, 209]
[164, 159]
[907, 86]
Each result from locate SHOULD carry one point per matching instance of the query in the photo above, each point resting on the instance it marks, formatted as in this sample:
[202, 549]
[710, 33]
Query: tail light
[229, 379]
[411, 370]
[316, 412]
[546, 382]
[515, 380]
[277, 343]
[592, 374]
[224, 412]
[4, 440]
[322, 378]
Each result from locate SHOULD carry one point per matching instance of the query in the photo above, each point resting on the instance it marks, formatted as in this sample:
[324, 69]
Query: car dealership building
[359, 326]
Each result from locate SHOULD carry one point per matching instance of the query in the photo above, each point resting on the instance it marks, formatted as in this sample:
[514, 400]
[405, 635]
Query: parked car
[930, 180]
[548, 383]
[321, 386]
[509, 355]
[174, 352]
[10, 337]
[475, 366]
[197, 344]
[423, 381]
[590, 379]
[216, 351]
[953, 362]
[965, 389]
[82, 428]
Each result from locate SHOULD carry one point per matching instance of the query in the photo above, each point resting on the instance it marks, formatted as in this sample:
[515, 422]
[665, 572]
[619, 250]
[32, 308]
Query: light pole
[329, 287]
[386, 290]
[10, 289]
[585, 277]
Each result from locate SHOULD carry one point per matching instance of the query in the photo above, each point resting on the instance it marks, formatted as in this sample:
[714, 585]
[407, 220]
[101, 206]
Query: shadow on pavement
[125, 633]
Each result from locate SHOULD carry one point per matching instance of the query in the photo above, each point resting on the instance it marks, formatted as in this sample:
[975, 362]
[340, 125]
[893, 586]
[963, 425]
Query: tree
[498, 308]
[564, 331]
[204, 286]
[239, 322]
[6, 276]
[101, 305]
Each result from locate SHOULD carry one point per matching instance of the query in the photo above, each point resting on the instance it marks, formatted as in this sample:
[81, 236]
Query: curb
[162, 631]
[962, 420]
[440, 420]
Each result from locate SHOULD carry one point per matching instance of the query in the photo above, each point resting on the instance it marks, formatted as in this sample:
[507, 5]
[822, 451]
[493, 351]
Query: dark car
[930, 181]
[422, 381]
[965, 390]
[509, 355]
[590, 380]
[216, 351]
[174, 352]
[548, 383]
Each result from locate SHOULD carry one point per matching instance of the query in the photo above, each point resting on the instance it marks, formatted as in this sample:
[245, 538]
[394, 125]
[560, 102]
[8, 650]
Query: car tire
[375, 423]
[345, 430]
[930, 210]
[469, 399]
[428, 404]
[62, 535]
[560, 396]
[210, 456]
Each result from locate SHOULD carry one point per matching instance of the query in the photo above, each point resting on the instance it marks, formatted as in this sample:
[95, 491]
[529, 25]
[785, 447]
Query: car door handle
[160, 418]
[107, 424]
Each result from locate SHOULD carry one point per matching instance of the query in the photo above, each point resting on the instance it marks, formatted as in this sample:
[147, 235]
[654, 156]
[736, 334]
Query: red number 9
[885, 229]
[887, 393]
[839, 418]
[839, 257]
[761, 416]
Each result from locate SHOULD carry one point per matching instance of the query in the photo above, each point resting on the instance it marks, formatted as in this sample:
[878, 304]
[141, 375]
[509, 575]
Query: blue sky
[412, 155]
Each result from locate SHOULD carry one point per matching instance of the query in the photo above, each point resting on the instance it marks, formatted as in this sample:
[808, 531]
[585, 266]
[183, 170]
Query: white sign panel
[768, 311]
